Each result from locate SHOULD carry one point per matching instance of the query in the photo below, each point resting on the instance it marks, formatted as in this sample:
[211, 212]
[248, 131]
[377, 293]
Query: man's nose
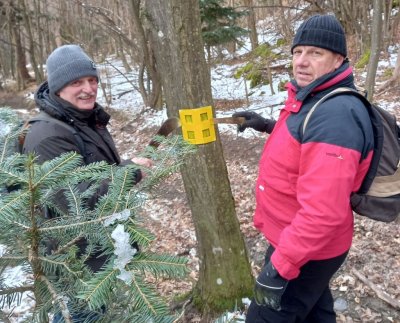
[302, 59]
[88, 86]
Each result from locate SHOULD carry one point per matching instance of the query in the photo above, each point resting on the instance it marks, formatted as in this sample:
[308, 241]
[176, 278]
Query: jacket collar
[342, 77]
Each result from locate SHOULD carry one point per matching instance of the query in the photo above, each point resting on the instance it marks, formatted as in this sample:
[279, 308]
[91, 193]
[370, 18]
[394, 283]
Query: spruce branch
[76, 274]
[12, 294]
[69, 222]
[54, 225]
[11, 203]
[74, 197]
[57, 299]
[11, 174]
[145, 298]
[160, 265]
[122, 190]
[68, 245]
[99, 287]
[17, 289]
[12, 259]
[140, 235]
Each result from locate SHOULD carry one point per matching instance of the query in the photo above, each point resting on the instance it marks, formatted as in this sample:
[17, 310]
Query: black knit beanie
[67, 64]
[323, 31]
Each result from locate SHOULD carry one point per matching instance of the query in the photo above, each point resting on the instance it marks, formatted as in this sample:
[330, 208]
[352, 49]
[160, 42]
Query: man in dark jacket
[306, 179]
[69, 97]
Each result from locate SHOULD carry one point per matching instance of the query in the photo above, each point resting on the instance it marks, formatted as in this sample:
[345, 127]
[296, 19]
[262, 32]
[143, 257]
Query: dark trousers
[84, 316]
[79, 318]
[307, 298]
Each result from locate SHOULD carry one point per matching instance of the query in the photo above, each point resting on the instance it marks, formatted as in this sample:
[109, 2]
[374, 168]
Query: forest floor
[370, 274]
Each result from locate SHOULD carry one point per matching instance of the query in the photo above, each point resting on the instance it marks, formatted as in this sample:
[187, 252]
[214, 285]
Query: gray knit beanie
[323, 31]
[66, 64]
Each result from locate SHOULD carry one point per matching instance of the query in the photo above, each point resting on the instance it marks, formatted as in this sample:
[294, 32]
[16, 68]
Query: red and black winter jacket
[305, 180]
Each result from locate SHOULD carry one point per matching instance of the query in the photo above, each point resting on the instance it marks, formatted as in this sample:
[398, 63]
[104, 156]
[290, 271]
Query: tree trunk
[396, 72]
[225, 273]
[60, 23]
[14, 20]
[251, 23]
[283, 20]
[387, 9]
[376, 35]
[395, 79]
[42, 35]
[150, 96]
[27, 21]
[22, 72]
[354, 16]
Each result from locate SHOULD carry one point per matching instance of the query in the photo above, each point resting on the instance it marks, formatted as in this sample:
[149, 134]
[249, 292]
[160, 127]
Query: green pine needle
[47, 249]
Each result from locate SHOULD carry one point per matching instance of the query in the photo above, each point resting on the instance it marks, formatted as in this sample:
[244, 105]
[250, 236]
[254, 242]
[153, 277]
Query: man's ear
[339, 59]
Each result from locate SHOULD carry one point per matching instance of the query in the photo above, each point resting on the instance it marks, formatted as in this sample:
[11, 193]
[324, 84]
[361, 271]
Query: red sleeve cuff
[283, 266]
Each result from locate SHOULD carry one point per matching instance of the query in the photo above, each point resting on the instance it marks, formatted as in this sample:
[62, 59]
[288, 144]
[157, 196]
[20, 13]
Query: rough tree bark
[251, 23]
[387, 9]
[225, 273]
[26, 14]
[23, 75]
[150, 98]
[376, 37]
[14, 20]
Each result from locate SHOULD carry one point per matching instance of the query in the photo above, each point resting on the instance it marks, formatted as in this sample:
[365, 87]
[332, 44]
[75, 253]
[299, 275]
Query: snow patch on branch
[124, 252]
[125, 276]
[5, 129]
[120, 216]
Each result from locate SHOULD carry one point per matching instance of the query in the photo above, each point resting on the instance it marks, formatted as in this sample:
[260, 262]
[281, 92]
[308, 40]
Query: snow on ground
[17, 277]
[223, 85]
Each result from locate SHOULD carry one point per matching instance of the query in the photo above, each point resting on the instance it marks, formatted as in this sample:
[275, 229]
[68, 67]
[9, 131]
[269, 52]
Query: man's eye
[75, 83]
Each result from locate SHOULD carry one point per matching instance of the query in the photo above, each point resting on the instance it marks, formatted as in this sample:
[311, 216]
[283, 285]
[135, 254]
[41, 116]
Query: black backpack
[379, 195]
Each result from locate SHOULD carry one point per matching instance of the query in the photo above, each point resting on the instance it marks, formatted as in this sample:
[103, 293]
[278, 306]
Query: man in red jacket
[306, 179]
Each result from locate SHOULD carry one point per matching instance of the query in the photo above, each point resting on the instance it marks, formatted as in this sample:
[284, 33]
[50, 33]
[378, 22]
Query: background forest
[182, 53]
[31, 29]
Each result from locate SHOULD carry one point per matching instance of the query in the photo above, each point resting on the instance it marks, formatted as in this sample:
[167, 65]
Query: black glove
[255, 121]
[269, 287]
[138, 175]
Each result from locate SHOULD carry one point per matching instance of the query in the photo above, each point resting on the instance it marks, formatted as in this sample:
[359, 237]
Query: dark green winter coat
[49, 139]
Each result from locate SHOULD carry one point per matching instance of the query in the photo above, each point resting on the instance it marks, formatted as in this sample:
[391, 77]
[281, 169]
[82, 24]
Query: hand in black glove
[269, 287]
[255, 121]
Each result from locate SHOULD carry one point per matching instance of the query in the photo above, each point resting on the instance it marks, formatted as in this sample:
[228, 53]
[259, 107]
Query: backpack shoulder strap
[42, 116]
[377, 127]
[340, 90]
